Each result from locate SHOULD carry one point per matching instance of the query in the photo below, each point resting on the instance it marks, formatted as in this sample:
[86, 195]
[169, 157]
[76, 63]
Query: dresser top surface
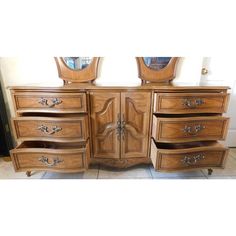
[148, 86]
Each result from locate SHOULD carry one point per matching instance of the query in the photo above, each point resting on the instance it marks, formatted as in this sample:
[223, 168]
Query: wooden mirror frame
[87, 74]
[163, 75]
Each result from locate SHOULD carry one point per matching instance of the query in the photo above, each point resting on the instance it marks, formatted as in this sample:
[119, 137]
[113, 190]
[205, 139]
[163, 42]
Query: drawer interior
[51, 145]
[176, 146]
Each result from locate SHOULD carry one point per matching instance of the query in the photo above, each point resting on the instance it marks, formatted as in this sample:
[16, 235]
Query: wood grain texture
[152, 75]
[135, 113]
[173, 129]
[84, 75]
[89, 112]
[105, 109]
[178, 103]
[71, 157]
[172, 159]
[121, 163]
[71, 129]
[45, 102]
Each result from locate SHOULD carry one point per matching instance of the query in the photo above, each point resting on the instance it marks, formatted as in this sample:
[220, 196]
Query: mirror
[77, 63]
[77, 69]
[156, 69]
[156, 63]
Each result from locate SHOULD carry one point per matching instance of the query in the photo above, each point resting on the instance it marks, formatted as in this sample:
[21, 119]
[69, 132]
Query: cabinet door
[135, 115]
[105, 111]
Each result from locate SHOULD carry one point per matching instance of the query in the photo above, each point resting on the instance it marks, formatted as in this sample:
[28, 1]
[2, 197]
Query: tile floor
[138, 172]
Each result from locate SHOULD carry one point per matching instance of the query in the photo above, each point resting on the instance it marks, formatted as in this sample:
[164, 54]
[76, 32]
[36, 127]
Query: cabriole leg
[210, 171]
[28, 173]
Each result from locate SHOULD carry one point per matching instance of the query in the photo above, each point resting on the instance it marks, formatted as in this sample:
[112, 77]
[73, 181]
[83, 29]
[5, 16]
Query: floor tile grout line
[43, 175]
[149, 167]
[205, 175]
[232, 156]
[98, 171]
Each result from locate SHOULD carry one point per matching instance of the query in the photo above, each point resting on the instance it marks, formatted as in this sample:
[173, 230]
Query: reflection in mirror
[77, 63]
[156, 63]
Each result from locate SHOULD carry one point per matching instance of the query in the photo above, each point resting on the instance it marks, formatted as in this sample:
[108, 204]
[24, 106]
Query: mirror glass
[77, 63]
[156, 63]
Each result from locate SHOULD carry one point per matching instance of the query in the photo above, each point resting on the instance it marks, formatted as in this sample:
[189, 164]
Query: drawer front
[177, 103]
[50, 102]
[56, 129]
[199, 157]
[61, 160]
[189, 129]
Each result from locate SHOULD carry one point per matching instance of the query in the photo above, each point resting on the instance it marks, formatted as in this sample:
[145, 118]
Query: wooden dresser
[70, 127]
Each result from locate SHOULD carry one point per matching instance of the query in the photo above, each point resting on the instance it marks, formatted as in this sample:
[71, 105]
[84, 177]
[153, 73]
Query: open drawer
[50, 156]
[172, 157]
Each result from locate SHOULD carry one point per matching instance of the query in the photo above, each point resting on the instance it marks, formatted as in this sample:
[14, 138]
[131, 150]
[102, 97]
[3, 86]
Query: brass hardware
[45, 161]
[44, 129]
[193, 130]
[193, 103]
[55, 101]
[123, 123]
[192, 160]
[204, 71]
[118, 126]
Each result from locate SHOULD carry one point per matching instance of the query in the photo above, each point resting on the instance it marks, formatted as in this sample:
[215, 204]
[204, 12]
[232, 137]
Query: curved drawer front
[50, 102]
[209, 156]
[61, 160]
[189, 129]
[55, 129]
[177, 103]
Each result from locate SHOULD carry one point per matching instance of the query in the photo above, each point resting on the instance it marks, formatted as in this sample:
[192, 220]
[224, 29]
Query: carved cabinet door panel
[105, 111]
[135, 116]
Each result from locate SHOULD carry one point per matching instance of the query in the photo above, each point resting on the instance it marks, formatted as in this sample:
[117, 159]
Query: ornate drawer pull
[54, 162]
[192, 160]
[44, 129]
[193, 103]
[123, 123]
[118, 126]
[55, 101]
[193, 130]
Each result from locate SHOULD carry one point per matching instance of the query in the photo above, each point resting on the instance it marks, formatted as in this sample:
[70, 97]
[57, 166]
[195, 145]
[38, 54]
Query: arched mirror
[77, 63]
[157, 69]
[77, 69]
[156, 63]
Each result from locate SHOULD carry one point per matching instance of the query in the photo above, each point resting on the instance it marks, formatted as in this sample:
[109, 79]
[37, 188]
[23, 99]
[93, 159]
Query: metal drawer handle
[45, 161]
[123, 124]
[193, 103]
[44, 129]
[192, 160]
[55, 101]
[118, 126]
[193, 130]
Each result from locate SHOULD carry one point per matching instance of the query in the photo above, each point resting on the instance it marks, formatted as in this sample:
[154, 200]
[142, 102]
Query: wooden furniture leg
[210, 171]
[28, 173]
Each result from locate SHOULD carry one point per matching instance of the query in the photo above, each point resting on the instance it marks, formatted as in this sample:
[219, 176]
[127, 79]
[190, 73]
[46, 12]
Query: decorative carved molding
[121, 163]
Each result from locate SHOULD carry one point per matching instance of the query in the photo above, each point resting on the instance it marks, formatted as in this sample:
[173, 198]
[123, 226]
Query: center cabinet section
[120, 124]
